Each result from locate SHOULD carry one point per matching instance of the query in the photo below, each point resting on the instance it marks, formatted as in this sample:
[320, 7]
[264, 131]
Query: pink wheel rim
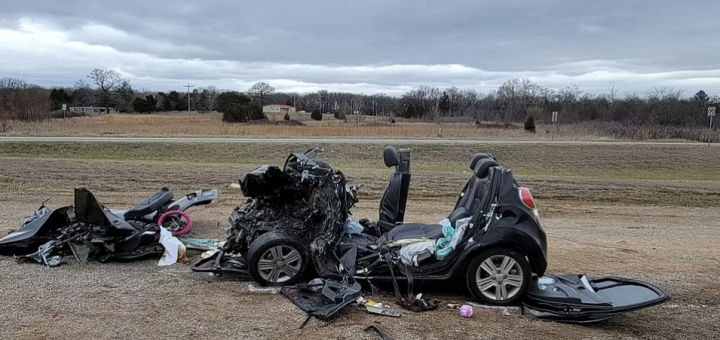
[181, 213]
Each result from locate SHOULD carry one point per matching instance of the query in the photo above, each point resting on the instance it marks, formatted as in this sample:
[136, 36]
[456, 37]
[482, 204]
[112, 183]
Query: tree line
[515, 100]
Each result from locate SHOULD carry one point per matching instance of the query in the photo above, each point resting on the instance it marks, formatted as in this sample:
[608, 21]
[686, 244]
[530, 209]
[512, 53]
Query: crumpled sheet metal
[305, 205]
[326, 302]
[42, 256]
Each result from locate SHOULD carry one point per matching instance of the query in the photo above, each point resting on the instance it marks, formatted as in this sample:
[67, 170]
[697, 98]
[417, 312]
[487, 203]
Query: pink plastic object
[181, 213]
[466, 311]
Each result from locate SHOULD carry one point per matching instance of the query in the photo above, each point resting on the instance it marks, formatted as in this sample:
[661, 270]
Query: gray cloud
[372, 45]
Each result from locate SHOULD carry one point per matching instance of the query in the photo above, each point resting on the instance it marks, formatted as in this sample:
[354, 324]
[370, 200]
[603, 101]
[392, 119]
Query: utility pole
[711, 114]
[188, 87]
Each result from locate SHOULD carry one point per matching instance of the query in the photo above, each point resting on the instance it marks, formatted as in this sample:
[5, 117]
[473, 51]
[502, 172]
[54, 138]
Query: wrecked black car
[298, 216]
[88, 230]
[298, 219]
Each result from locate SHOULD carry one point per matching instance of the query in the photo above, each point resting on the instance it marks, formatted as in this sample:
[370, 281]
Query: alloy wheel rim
[279, 264]
[499, 278]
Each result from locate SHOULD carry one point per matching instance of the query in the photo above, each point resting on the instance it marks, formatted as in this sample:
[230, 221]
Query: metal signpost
[554, 120]
[711, 114]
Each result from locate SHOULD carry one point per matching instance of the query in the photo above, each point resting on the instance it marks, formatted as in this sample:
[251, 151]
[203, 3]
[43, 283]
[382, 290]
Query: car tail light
[526, 198]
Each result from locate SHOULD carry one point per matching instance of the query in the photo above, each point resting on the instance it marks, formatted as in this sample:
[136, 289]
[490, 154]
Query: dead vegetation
[301, 125]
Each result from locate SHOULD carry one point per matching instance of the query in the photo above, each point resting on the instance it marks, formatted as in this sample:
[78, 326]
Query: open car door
[578, 299]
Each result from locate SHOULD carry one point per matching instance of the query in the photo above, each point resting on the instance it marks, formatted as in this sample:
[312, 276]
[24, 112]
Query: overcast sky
[366, 46]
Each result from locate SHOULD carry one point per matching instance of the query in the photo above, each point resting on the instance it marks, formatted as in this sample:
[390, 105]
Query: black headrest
[391, 156]
[482, 167]
[476, 158]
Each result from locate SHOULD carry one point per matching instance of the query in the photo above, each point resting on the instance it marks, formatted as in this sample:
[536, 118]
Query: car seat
[394, 200]
[478, 189]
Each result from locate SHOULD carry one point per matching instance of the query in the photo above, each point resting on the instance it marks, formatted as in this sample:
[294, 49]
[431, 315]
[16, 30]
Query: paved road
[324, 141]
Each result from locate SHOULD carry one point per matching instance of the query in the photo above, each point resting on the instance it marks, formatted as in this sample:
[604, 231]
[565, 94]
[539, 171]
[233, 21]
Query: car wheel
[176, 222]
[276, 259]
[499, 277]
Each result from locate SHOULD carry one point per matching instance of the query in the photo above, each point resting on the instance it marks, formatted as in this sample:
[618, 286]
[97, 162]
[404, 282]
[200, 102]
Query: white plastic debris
[235, 185]
[504, 310]
[316, 284]
[544, 281]
[269, 290]
[352, 226]
[174, 249]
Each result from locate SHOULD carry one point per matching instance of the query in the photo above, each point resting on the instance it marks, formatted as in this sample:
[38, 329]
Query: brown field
[643, 211]
[211, 125]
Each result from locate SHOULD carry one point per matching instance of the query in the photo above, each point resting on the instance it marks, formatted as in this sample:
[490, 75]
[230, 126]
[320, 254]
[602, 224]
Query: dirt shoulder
[661, 231]
[139, 300]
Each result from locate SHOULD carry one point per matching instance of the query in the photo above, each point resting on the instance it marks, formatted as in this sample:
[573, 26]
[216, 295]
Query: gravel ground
[139, 300]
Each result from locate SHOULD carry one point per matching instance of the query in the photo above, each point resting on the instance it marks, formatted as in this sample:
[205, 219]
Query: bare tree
[107, 82]
[211, 95]
[612, 93]
[261, 90]
[83, 94]
[23, 101]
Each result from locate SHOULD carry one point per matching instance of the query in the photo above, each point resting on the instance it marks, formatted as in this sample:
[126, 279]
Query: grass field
[211, 125]
[643, 211]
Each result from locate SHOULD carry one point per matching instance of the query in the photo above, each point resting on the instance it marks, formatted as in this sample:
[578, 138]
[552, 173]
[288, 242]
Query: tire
[276, 259]
[487, 288]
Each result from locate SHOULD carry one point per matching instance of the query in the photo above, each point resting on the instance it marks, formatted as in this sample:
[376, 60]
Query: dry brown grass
[212, 125]
[183, 124]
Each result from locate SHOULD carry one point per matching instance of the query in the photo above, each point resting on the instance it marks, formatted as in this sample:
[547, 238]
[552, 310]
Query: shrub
[316, 115]
[277, 123]
[287, 117]
[239, 113]
[530, 123]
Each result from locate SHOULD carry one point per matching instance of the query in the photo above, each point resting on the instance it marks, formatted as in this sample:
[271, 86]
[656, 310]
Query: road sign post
[711, 114]
[554, 120]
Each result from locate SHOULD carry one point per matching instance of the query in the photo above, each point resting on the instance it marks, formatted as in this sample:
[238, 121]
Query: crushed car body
[88, 230]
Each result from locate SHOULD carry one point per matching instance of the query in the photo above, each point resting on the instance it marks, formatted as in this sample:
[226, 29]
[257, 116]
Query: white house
[278, 108]
[92, 110]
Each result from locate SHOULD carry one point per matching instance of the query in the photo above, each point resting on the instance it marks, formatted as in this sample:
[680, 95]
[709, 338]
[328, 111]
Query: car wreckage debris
[376, 307]
[325, 302]
[380, 332]
[88, 231]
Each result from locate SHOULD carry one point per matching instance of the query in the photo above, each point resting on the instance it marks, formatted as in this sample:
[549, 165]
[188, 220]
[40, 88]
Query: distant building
[92, 110]
[283, 109]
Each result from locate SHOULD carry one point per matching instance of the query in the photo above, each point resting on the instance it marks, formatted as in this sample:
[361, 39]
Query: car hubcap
[279, 264]
[499, 278]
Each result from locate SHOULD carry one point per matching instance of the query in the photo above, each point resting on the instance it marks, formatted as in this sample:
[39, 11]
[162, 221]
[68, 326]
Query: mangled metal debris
[323, 300]
[88, 230]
